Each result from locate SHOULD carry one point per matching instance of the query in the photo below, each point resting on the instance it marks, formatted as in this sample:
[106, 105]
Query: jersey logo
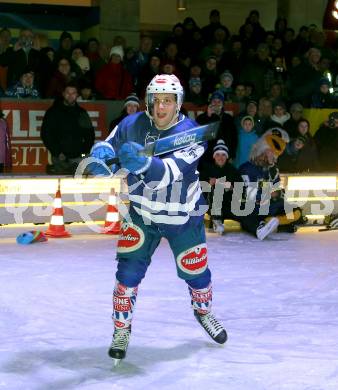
[193, 261]
[131, 238]
[150, 138]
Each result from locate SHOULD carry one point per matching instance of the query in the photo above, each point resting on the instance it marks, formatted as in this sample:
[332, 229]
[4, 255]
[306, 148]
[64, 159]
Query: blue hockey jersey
[169, 191]
[260, 182]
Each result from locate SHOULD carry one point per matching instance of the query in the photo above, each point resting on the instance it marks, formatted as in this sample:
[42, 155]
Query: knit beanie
[118, 50]
[221, 148]
[132, 98]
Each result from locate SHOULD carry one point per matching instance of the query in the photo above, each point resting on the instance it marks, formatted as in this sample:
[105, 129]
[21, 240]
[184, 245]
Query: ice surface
[277, 298]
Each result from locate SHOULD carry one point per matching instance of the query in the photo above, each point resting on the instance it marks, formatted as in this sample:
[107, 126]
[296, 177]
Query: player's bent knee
[201, 281]
[130, 272]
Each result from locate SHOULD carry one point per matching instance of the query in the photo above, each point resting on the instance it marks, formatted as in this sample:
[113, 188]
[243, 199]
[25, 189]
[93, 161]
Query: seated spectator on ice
[25, 87]
[220, 168]
[246, 138]
[323, 98]
[226, 194]
[326, 138]
[131, 106]
[263, 185]
[67, 132]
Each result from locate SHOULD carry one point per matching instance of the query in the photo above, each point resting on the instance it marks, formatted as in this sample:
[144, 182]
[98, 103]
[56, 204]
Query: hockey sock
[201, 299]
[123, 300]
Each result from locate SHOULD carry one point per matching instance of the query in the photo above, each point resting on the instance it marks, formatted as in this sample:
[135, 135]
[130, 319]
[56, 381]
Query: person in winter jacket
[226, 190]
[67, 132]
[246, 138]
[264, 194]
[5, 145]
[130, 106]
[113, 81]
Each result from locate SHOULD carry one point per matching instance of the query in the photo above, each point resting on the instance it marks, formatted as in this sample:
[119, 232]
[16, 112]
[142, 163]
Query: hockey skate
[213, 327]
[119, 345]
[265, 228]
[290, 228]
[218, 226]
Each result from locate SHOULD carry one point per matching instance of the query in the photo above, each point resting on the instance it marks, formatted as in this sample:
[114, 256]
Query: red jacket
[113, 82]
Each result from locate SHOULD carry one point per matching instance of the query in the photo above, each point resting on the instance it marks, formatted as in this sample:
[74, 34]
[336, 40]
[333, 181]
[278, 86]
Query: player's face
[164, 109]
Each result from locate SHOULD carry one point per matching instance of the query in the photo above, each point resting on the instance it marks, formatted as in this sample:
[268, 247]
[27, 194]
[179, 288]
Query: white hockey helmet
[164, 83]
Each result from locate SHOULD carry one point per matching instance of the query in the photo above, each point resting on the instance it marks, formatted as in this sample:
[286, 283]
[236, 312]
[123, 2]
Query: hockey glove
[131, 158]
[102, 151]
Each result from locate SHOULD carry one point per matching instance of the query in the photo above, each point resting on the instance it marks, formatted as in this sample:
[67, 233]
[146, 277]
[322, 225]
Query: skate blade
[116, 362]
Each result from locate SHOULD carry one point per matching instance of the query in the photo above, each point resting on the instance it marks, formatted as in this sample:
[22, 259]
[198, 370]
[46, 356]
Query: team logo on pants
[131, 238]
[194, 260]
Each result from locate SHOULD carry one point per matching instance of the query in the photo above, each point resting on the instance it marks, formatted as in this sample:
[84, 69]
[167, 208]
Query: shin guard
[123, 300]
[201, 299]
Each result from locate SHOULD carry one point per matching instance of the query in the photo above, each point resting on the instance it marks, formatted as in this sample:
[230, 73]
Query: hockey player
[165, 201]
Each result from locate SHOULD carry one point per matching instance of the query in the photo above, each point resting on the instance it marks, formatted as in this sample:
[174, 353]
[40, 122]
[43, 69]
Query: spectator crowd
[271, 75]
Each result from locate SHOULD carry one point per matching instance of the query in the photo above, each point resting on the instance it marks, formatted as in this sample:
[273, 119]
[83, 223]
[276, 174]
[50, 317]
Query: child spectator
[323, 98]
[226, 80]
[131, 105]
[246, 138]
[194, 94]
[25, 87]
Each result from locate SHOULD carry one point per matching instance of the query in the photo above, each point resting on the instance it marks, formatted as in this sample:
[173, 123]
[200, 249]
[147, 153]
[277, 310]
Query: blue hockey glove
[131, 158]
[102, 151]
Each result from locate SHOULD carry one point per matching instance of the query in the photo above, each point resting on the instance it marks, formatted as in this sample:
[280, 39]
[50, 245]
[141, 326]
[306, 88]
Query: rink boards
[29, 199]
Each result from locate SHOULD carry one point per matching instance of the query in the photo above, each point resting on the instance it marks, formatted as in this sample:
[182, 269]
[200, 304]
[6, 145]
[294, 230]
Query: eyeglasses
[166, 102]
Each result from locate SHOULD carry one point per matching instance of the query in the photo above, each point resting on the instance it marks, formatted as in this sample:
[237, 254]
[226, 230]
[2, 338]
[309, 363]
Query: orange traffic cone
[112, 224]
[56, 227]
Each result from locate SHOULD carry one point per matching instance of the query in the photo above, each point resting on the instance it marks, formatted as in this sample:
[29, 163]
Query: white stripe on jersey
[165, 180]
[173, 167]
[165, 219]
[111, 135]
[157, 206]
